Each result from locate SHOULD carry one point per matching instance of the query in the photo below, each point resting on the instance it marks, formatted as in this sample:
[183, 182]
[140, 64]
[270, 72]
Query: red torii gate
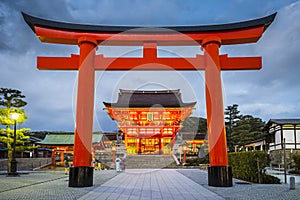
[89, 37]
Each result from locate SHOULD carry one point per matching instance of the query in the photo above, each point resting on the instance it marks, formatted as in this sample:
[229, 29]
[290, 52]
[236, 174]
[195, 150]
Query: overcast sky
[272, 92]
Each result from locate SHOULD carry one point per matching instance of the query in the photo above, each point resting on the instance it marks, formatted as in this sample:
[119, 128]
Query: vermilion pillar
[81, 174]
[219, 173]
[52, 159]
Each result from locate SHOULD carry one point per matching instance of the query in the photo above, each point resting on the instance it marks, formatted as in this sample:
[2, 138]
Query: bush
[269, 179]
[296, 158]
[192, 161]
[204, 159]
[249, 166]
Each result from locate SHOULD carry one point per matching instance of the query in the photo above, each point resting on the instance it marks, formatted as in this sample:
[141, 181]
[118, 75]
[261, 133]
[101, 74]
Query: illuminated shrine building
[149, 119]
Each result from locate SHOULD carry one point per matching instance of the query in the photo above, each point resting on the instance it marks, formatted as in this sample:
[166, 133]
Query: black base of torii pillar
[220, 176]
[81, 176]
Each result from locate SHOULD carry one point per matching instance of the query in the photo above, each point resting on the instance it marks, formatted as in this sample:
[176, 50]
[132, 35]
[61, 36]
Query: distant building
[194, 141]
[149, 119]
[258, 145]
[61, 145]
[278, 130]
[25, 153]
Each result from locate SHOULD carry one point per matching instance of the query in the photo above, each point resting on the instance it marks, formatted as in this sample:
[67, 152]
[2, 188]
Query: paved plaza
[137, 184]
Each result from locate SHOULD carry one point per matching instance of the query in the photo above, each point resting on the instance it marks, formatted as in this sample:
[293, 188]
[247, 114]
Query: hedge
[249, 166]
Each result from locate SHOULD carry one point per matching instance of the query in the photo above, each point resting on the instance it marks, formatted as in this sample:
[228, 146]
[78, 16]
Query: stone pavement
[137, 184]
[151, 184]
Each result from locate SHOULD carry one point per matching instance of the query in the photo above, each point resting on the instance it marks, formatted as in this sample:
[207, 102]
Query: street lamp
[13, 171]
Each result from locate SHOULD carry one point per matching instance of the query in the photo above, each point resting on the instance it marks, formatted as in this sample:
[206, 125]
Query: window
[149, 116]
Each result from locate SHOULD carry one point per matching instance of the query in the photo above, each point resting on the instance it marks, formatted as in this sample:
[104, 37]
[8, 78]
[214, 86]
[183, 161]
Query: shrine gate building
[149, 119]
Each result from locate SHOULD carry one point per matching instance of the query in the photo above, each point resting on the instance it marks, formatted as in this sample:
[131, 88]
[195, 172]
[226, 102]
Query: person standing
[66, 165]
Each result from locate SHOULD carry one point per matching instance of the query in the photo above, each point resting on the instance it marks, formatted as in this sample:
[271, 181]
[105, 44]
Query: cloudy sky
[272, 92]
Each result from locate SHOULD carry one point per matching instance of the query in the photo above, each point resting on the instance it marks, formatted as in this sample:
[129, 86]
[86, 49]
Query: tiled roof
[35, 21]
[291, 121]
[139, 98]
[285, 121]
[65, 139]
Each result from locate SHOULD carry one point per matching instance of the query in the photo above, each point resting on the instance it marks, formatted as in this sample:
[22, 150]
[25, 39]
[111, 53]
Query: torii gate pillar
[81, 174]
[219, 173]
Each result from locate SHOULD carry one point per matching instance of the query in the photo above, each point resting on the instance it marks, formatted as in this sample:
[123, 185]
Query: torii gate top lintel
[149, 37]
[69, 33]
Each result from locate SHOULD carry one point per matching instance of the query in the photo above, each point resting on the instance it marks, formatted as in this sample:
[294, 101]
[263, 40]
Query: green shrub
[193, 161]
[296, 158]
[204, 159]
[269, 179]
[249, 166]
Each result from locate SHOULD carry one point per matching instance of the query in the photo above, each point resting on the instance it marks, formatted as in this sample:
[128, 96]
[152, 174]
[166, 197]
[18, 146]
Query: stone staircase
[148, 161]
[106, 156]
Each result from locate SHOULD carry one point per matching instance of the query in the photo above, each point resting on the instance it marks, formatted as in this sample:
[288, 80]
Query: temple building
[149, 119]
[62, 146]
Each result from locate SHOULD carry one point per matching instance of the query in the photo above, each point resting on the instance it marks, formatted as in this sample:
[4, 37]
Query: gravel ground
[47, 185]
[242, 190]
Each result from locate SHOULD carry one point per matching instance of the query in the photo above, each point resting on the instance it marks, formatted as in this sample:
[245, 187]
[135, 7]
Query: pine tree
[231, 118]
[11, 101]
[246, 130]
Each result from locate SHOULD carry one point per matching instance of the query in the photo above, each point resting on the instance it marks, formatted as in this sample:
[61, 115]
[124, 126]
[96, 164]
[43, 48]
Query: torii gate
[89, 37]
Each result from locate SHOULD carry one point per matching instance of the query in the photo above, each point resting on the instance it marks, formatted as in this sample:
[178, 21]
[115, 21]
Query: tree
[11, 98]
[247, 129]
[231, 118]
[194, 124]
[12, 101]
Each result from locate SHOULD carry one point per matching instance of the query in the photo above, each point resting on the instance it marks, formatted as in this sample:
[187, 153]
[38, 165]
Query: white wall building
[280, 129]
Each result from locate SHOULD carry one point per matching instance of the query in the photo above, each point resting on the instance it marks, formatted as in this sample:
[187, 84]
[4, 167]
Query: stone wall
[25, 164]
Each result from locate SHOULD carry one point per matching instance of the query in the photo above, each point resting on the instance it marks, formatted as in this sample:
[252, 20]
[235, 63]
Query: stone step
[106, 156]
[148, 161]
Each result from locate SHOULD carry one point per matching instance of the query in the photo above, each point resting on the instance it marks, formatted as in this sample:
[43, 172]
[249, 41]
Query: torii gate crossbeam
[90, 37]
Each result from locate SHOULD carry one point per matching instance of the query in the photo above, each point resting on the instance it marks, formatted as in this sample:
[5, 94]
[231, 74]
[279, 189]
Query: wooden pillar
[53, 159]
[81, 175]
[281, 136]
[295, 136]
[219, 171]
[160, 145]
[62, 156]
[139, 145]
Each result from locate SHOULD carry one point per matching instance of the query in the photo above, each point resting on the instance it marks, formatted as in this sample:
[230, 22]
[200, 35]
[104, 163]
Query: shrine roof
[285, 121]
[146, 99]
[65, 139]
[35, 21]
